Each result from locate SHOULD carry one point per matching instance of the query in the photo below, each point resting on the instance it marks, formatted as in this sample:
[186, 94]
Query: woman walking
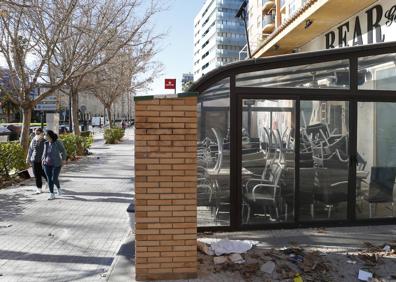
[53, 156]
[35, 153]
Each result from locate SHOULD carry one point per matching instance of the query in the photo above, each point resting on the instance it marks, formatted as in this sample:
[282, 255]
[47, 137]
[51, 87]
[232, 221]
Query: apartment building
[187, 79]
[290, 26]
[218, 36]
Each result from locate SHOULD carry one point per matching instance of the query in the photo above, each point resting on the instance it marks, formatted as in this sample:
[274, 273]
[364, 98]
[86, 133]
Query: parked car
[63, 129]
[15, 132]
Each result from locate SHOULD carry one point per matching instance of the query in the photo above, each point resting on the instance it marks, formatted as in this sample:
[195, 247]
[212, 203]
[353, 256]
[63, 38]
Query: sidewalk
[76, 236]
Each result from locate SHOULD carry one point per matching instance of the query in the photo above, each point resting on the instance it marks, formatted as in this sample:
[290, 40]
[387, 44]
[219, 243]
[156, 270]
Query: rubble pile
[246, 261]
[371, 260]
[286, 264]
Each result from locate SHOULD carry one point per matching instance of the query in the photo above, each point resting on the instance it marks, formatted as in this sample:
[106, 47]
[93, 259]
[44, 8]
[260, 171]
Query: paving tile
[76, 236]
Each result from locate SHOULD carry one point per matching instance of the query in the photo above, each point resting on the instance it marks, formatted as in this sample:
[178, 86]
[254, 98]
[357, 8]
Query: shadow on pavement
[12, 255]
[96, 177]
[99, 200]
[13, 205]
[98, 194]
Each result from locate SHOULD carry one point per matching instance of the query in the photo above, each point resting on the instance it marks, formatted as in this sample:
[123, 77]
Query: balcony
[293, 33]
[231, 41]
[268, 24]
[267, 6]
[227, 53]
[230, 28]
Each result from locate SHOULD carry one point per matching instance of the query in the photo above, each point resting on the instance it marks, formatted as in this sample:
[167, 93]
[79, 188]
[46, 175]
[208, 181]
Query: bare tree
[28, 37]
[131, 70]
[96, 38]
[59, 42]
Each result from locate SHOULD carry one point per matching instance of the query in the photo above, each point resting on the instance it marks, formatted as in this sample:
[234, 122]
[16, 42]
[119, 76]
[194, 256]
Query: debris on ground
[236, 258]
[371, 255]
[230, 247]
[204, 248]
[295, 263]
[220, 260]
[387, 248]
[364, 275]
[268, 267]
[321, 230]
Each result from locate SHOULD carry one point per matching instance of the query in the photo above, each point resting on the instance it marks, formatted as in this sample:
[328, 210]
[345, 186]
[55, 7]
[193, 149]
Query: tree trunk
[76, 122]
[27, 117]
[108, 110]
[8, 115]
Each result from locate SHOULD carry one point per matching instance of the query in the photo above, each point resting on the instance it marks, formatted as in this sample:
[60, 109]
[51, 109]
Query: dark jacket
[36, 150]
[58, 152]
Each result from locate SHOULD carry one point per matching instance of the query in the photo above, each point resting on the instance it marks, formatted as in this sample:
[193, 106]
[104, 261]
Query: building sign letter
[390, 15]
[357, 33]
[330, 38]
[368, 27]
[371, 25]
[342, 35]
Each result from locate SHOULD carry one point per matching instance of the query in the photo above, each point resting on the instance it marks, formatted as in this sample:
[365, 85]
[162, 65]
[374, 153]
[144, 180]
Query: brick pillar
[166, 188]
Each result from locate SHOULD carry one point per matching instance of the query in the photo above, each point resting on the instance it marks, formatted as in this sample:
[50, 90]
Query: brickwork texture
[165, 188]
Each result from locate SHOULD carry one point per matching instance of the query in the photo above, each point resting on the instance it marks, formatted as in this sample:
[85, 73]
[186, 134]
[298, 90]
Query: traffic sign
[170, 83]
[45, 107]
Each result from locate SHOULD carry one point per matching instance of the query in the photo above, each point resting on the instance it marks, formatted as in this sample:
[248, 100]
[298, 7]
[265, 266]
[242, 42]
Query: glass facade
[214, 156]
[376, 148]
[324, 160]
[218, 36]
[267, 161]
[377, 72]
[333, 74]
[312, 144]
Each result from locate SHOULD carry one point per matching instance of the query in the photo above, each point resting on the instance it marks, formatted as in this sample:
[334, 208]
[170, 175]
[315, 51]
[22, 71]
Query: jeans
[38, 174]
[52, 173]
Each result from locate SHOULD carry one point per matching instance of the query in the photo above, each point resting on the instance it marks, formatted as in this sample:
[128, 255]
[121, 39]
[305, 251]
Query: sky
[177, 47]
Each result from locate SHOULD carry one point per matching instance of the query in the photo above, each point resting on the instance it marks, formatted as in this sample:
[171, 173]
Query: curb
[124, 259]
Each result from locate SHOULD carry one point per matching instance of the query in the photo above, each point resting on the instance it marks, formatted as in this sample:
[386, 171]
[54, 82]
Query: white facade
[218, 36]
[262, 18]
[95, 108]
[355, 30]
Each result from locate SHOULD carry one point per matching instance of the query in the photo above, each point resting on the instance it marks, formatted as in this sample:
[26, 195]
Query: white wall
[388, 31]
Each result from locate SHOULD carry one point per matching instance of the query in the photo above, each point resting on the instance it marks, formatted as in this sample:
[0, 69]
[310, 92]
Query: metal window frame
[353, 95]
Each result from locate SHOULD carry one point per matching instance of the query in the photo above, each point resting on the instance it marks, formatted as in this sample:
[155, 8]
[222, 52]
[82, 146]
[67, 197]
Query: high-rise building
[187, 80]
[218, 35]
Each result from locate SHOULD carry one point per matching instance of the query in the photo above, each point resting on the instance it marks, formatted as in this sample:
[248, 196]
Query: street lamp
[243, 15]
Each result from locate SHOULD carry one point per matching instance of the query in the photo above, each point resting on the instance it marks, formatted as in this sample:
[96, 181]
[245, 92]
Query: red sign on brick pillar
[170, 83]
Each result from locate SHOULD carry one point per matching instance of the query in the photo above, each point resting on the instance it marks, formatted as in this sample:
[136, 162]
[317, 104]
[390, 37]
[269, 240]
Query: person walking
[33, 158]
[54, 154]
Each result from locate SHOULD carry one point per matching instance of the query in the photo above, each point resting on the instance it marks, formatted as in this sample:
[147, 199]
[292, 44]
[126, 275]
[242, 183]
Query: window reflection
[268, 161]
[324, 160]
[332, 75]
[377, 155]
[377, 72]
[213, 195]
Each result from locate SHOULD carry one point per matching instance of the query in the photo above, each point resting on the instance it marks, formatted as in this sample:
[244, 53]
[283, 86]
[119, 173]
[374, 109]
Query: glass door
[324, 160]
[268, 128]
[376, 160]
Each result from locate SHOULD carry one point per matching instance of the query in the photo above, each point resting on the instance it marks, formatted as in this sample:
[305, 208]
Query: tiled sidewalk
[76, 236]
